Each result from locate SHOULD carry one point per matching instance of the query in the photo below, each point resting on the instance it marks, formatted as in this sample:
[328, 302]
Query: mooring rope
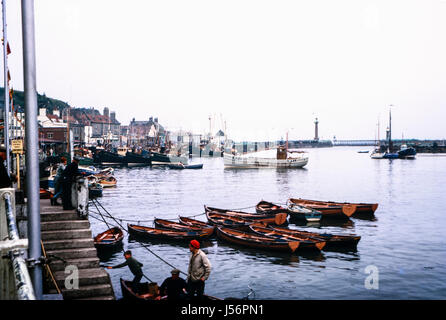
[103, 220]
[142, 244]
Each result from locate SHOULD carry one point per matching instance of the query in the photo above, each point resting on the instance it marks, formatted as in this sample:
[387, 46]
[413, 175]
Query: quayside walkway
[66, 235]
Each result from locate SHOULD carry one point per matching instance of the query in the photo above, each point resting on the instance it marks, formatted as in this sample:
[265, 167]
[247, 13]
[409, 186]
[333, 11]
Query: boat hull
[109, 239]
[254, 241]
[231, 161]
[332, 240]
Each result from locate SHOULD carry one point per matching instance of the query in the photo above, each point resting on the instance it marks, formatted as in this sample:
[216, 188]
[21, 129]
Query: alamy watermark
[371, 282]
[72, 278]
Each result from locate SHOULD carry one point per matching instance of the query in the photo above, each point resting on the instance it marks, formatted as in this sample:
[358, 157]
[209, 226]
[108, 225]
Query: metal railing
[16, 249]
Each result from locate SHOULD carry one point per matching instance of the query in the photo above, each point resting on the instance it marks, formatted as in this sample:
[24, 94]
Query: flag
[11, 93]
[8, 49]
[9, 76]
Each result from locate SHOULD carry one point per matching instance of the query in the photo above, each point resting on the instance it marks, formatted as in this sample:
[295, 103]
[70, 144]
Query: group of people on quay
[175, 287]
[65, 176]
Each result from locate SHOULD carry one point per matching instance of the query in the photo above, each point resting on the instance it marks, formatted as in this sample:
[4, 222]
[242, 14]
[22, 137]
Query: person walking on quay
[5, 180]
[58, 181]
[174, 287]
[134, 266]
[68, 177]
[198, 272]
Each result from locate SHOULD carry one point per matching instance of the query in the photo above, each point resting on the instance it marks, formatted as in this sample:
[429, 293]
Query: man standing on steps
[134, 266]
[199, 270]
[68, 178]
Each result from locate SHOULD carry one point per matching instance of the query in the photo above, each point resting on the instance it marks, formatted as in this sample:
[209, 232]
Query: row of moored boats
[265, 229]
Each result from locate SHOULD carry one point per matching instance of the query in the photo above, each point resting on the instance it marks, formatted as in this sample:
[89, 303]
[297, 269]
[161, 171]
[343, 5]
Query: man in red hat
[198, 272]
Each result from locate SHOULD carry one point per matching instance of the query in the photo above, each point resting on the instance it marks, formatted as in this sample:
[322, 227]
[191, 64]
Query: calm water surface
[405, 241]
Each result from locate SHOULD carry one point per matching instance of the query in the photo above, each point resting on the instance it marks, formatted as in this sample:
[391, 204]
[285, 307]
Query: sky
[263, 67]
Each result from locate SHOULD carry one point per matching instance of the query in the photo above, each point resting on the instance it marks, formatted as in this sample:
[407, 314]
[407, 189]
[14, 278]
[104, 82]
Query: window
[49, 135]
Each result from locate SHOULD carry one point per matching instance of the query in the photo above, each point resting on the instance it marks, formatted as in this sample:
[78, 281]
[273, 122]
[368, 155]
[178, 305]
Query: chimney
[42, 112]
[56, 112]
[156, 120]
[151, 119]
[112, 116]
[106, 112]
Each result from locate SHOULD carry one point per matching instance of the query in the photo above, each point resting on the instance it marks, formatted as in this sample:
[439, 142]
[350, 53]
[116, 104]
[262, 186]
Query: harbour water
[405, 241]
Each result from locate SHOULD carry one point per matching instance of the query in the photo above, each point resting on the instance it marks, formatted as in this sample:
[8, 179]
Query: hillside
[42, 101]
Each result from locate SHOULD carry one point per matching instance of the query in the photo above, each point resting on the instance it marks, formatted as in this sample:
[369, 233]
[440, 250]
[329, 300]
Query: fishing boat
[108, 182]
[171, 225]
[147, 292]
[297, 211]
[332, 240]
[162, 234]
[252, 240]
[406, 152]
[360, 207]
[135, 159]
[305, 242]
[109, 158]
[282, 160]
[377, 154]
[181, 166]
[363, 151]
[328, 210]
[277, 218]
[109, 239]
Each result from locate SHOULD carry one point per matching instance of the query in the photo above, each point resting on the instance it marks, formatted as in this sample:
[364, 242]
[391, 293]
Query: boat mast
[390, 129]
[6, 89]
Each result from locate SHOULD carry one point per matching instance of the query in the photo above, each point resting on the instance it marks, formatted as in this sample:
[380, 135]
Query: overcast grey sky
[266, 66]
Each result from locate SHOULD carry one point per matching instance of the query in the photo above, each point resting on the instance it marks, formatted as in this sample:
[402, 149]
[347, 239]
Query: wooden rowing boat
[305, 213]
[333, 240]
[305, 242]
[327, 210]
[277, 218]
[107, 182]
[147, 292]
[253, 240]
[109, 239]
[295, 212]
[171, 225]
[162, 234]
[359, 206]
[265, 207]
[193, 222]
[218, 219]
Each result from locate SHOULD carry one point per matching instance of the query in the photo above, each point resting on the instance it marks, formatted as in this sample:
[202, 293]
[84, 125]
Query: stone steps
[85, 277]
[58, 216]
[66, 234]
[64, 225]
[89, 291]
[82, 263]
[98, 298]
[74, 253]
[64, 244]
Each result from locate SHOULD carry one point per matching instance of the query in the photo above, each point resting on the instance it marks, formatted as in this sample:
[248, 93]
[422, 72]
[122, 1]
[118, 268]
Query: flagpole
[6, 89]
[32, 145]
